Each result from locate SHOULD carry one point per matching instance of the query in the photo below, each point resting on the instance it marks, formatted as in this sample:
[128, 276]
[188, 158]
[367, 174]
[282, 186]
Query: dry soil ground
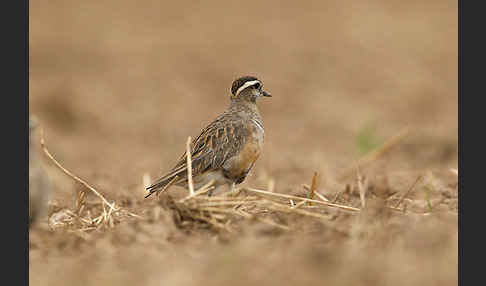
[119, 85]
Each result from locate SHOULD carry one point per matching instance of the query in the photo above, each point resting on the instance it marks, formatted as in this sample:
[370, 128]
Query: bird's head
[248, 88]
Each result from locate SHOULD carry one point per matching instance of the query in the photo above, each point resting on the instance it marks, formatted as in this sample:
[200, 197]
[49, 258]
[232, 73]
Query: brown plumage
[228, 147]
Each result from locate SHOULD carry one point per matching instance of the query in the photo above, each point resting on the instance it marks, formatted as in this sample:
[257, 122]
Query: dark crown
[241, 81]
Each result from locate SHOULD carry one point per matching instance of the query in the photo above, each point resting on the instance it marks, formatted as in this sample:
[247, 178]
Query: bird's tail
[167, 180]
[160, 184]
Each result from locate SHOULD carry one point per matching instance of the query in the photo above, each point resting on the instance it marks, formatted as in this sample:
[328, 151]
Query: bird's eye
[257, 85]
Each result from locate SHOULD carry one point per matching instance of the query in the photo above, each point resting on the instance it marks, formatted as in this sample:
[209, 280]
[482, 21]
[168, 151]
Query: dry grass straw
[204, 189]
[284, 196]
[362, 187]
[375, 154]
[189, 165]
[68, 217]
[271, 185]
[313, 187]
[247, 203]
[298, 205]
[219, 212]
[409, 190]
[316, 192]
[146, 179]
[272, 205]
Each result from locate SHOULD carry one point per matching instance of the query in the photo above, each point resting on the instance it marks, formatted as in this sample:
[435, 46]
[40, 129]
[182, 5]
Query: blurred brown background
[119, 85]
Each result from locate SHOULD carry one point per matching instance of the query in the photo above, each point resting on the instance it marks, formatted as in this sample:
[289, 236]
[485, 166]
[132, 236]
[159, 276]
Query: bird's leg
[232, 190]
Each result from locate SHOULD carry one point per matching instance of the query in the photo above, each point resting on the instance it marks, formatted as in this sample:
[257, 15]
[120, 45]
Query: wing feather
[218, 142]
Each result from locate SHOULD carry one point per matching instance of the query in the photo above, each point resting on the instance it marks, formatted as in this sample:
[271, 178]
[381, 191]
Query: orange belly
[245, 159]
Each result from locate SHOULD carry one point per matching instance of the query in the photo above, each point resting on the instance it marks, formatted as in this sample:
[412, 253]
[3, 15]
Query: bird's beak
[266, 94]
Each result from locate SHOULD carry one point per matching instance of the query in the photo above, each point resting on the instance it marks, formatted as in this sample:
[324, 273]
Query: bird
[39, 182]
[226, 150]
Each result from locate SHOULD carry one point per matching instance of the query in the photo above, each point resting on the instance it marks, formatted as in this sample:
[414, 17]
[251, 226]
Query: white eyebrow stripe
[259, 124]
[247, 84]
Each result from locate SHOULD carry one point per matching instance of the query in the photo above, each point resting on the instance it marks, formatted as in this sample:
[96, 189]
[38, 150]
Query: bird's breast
[242, 162]
[254, 145]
